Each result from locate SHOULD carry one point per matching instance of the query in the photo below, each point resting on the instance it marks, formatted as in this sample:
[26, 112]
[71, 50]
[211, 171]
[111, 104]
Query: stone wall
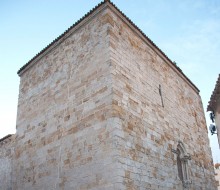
[64, 119]
[90, 114]
[217, 177]
[156, 108]
[6, 161]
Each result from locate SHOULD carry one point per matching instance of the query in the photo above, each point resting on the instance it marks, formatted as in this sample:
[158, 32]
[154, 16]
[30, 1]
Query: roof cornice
[149, 42]
[101, 6]
[77, 25]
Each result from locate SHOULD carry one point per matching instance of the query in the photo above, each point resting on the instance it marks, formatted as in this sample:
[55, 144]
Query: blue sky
[187, 31]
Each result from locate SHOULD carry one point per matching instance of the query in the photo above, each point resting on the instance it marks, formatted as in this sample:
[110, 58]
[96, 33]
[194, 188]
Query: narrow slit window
[160, 92]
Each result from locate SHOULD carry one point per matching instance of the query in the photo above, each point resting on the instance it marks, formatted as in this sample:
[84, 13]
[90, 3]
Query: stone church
[103, 108]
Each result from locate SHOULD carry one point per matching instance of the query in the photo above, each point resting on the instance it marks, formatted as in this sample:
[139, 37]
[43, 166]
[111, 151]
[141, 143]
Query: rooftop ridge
[128, 19]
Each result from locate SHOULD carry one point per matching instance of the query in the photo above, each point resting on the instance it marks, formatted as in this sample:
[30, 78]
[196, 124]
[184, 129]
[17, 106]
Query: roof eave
[63, 36]
[154, 46]
[215, 97]
[85, 19]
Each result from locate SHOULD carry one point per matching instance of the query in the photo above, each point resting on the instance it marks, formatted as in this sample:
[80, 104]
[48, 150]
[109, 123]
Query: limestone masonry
[103, 108]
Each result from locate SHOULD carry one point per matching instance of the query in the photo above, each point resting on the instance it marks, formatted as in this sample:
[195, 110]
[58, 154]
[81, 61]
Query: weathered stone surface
[152, 123]
[91, 116]
[64, 116]
[6, 161]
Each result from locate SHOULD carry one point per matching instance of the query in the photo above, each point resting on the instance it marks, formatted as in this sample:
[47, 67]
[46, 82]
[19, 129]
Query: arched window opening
[182, 165]
[179, 165]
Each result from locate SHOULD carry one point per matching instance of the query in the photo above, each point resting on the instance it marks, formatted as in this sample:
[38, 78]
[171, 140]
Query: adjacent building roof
[215, 96]
[105, 2]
